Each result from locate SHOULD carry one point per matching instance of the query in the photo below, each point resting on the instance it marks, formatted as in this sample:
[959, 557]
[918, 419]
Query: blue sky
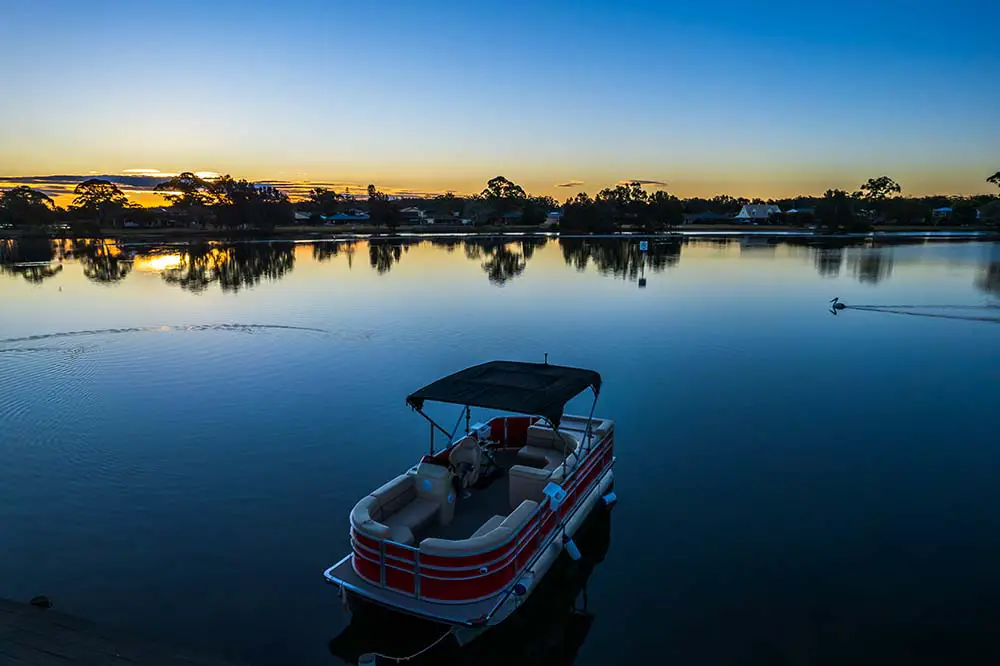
[746, 98]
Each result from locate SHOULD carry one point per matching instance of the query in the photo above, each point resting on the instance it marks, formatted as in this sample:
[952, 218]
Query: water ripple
[237, 328]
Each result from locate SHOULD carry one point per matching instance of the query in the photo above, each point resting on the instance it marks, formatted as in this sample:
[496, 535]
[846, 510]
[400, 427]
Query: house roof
[758, 210]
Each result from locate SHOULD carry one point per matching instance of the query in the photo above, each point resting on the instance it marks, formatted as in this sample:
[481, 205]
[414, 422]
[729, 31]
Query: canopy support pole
[468, 416]
[433, 426]
[588, 433]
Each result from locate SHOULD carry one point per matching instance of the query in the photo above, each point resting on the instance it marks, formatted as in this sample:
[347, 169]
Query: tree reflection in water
[828, 261]
[30, 258]
[327, 251]
[103, 261]
[233, 267]
[873, 265]
[989, 278]
[449, 244]
[620, 257]
[384, 253]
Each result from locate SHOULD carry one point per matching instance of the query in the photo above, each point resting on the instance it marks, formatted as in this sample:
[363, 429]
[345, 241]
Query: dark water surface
[184, 432]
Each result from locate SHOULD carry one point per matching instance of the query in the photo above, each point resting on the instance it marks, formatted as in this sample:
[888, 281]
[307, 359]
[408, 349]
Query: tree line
[97, 203]
[232, 204]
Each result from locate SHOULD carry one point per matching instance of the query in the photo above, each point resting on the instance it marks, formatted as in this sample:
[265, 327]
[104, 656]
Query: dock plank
[31, 636]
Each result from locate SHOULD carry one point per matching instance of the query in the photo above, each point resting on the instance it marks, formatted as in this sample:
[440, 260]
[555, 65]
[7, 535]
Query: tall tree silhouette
[186, 190]
[876, 190]
[382, 210]
[26, 207]
[100, 199]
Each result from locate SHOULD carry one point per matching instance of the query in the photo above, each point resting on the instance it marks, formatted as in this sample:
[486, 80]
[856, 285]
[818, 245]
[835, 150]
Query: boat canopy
[526, 388]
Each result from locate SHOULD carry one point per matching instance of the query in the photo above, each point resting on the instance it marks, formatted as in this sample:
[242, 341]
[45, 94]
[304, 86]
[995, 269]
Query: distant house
[757, 212]
[414, 215]
[942, 213]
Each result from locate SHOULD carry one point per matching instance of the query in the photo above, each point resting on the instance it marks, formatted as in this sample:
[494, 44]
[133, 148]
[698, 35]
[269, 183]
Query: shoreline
[309, 233]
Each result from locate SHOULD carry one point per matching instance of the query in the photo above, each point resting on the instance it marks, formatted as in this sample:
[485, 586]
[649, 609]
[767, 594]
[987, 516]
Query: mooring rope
[415, 654]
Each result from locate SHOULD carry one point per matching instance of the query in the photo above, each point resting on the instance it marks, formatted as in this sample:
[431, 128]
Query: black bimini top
[527, 388]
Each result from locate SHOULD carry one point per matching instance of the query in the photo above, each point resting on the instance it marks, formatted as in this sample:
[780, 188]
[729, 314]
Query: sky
[768, 99]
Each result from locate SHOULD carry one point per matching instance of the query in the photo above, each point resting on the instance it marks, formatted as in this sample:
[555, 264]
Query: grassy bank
[328, 233]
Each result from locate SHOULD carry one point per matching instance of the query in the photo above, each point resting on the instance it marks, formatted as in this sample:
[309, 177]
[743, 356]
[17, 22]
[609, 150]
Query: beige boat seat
[547, 447]
[482, 540]
[527, 483]
[394, 511]
[467, 459]
[488, 526]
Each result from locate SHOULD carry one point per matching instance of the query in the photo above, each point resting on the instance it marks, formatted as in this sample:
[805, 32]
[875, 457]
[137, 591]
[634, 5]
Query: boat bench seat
[527, 483]
[547, 446]
[484, 540]
[393, 511]
[488, 526]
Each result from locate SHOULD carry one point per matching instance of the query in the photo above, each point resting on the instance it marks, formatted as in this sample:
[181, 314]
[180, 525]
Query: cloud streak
[570, 183]
[641, 181]
[144, 182]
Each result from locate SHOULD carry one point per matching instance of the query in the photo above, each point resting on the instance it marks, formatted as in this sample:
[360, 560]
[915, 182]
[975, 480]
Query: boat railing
[463, 576]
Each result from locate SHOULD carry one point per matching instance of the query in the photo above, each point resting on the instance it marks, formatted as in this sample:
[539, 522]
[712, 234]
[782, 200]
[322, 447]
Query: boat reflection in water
[549, 629]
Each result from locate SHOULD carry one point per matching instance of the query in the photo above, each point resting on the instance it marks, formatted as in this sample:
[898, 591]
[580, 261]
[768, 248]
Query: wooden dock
[31, 636]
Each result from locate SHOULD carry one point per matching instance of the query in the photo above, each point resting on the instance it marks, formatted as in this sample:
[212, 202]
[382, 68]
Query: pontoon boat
[464, 536]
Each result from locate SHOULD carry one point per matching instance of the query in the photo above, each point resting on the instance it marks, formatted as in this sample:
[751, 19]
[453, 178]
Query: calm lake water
[184, 432]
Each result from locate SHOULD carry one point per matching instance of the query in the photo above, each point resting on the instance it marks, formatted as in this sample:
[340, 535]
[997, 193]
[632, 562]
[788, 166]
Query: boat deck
[489, 497]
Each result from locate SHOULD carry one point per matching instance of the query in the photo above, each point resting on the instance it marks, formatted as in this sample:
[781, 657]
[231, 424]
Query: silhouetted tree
[383, 211]
[323, 201]
[501, 189]
[877, 190]
[99, 199]
[186, 191]
[26, 208]
[835, 212]
[995, 179]
[242, 204]
[664, 211]
[990, 212]
[582, 214]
